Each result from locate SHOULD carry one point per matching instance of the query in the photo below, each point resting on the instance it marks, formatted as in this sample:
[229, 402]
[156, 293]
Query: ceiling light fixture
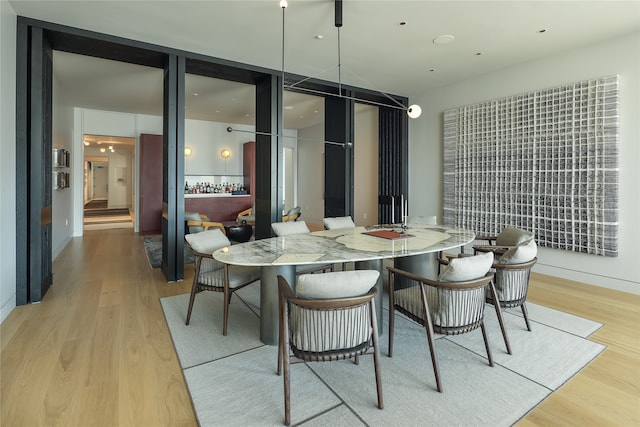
[413, 111]
[444, 39]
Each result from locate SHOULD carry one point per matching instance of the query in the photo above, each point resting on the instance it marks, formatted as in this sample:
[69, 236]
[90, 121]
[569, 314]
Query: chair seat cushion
[467, 268]
[338, 284]
[208, 241]
[520, 254]
[339, 222]
[511, 236]
[238, 276]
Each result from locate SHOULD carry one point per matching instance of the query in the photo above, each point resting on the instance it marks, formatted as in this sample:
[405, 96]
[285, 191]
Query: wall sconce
[187, 151]
[225, 153]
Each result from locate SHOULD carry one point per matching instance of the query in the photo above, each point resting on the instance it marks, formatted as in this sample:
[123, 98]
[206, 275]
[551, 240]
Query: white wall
[7, 159]
[365, 204]
[621, 57]
[62, 199]
[311, 175]
[207, 139]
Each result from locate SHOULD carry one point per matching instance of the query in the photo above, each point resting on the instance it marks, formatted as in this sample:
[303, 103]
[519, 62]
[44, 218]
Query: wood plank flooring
[97, 350]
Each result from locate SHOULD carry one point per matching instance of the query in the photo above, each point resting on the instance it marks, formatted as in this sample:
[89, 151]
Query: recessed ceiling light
[542, 30]
[444, 39]
[403, 23]
[319, 37]
[478, 53]
[195, 93]
[431, 70]
[288, 107]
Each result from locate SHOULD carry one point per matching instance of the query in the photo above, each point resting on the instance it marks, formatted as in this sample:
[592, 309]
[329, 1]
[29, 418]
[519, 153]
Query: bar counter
[218, 207]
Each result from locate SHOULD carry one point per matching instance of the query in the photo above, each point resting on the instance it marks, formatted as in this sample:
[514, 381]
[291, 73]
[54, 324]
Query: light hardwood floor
[97, 350]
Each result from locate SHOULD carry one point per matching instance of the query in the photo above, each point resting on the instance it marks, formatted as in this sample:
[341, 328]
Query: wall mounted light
[225, 153]
[187, 151]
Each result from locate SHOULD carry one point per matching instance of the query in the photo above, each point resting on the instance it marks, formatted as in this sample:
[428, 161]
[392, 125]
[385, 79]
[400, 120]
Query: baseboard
[57, 251]
[590, 279]
[7, 308]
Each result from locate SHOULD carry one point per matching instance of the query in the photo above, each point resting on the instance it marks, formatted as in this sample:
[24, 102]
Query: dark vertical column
[173, 166]
[393, 164]
[338, 160]
[269, 182]
[22, 163]
[33, 164]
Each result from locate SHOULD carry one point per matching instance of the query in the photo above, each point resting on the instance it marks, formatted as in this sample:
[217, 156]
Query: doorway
[102, 206]
[99, 190]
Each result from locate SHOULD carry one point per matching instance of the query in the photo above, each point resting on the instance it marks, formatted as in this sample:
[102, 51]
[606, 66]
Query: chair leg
[227, 300]
[496, 305]
[391, 316]
[376, 353]
[486, 343]
[432, 351]
[428, 325]
[523, 307]
[194, 289]
[287, 401]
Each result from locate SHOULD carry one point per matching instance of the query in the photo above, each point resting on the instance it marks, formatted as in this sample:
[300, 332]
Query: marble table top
[342, 245]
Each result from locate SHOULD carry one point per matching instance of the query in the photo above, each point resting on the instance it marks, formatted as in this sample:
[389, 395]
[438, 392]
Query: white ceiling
[376, 52]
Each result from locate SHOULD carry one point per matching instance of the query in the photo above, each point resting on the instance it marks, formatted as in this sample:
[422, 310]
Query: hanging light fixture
[413, 111]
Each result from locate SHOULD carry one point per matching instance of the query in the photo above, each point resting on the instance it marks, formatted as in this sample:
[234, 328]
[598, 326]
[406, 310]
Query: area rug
[153, 248]
[232, 379]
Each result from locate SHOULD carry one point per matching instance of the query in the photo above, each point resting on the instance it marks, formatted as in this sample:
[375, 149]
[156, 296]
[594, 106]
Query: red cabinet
[150, 196]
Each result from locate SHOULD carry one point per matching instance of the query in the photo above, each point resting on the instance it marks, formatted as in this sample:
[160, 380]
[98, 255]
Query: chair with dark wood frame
[299, 317]
[211, 275]
[453, 316]
[511, 281]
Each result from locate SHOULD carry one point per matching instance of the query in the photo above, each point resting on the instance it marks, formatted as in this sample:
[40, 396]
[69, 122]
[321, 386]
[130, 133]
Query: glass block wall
[545, 161]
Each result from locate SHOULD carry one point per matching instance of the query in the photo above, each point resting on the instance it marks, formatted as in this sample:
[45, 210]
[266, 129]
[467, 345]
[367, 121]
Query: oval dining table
[412, 249]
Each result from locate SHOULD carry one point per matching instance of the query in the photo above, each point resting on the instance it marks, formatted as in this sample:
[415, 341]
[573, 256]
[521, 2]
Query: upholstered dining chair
[330, 317]
[292, 214]
[334, 223]
[196, 226]
[418, 221]
[212, 275]
[454, 304]
[291, 228]
[197, 223]
[248, 215]
[516, 252]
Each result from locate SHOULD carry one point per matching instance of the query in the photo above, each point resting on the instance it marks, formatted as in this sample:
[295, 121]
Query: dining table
[411, 248]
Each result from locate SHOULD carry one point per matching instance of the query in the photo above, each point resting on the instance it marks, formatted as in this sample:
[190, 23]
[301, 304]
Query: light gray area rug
[233, 381]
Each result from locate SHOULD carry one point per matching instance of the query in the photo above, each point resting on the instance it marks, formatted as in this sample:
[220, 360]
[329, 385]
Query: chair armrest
[490, 239]
[206, 225]
[209, 224]
[499, 250]
[293, 217]
[245, 212]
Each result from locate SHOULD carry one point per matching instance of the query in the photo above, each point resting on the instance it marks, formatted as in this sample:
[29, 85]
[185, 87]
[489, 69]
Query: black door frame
[175, 63]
